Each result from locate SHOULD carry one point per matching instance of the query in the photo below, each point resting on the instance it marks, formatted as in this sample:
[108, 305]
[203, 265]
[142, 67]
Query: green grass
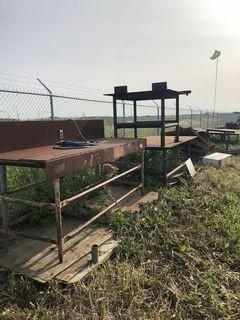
[181, 260]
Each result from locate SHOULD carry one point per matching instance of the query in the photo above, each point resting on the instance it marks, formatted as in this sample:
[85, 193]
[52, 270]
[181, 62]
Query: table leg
[3, 182]
[58, 213]
[142, 170]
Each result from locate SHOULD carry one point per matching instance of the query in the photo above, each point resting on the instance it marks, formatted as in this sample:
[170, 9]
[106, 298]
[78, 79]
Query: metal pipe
[124, 116]
[80, 228]
[58, 219]
[3, 181]
[19, 219]
[158, 117]
[142, 169]
[28, 186]
[115, 117]
[66, 202]
[162, 123]
[177, 120]
[49, 206]
[135, 117]
[165, 167]
[95, 253]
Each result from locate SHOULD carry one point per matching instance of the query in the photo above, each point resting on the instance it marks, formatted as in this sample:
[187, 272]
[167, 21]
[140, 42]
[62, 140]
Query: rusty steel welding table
[58, 163]
[224, 134]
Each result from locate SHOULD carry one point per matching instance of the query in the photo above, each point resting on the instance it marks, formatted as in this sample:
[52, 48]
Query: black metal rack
[159, 92]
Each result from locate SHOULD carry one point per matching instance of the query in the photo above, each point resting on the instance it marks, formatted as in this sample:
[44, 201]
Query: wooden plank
[39, 260]
[48, 267]
[78, 270]
[192, 171]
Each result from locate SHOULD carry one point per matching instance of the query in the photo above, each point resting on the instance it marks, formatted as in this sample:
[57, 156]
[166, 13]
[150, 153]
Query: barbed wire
[23, 97]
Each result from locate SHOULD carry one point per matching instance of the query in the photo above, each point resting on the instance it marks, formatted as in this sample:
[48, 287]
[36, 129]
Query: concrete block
[217, 160]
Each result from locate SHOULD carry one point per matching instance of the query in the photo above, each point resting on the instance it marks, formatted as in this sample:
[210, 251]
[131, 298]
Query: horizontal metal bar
[26, 187]
[13, 233]
[29, 202]
[123, 162]
[146, 124]
[79, 229]
[221, 130]
[66, 202]
[139, 124]
[169, 125]
[19, 219]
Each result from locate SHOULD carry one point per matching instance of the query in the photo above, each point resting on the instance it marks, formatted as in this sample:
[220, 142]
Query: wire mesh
[28, 98]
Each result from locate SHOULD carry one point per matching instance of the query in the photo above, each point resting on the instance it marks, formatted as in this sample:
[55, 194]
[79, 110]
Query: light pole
[215, 56]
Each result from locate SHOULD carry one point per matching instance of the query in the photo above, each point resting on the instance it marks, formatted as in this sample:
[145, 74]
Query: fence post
[200, 117]
[191, 115]
[207, 119]
[50, 97]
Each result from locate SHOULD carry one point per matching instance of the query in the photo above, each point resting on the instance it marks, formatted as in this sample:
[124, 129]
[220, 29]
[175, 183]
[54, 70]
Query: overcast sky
[102, 43]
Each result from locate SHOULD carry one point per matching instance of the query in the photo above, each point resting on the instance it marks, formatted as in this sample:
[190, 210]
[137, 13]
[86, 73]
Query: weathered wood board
[39, 260]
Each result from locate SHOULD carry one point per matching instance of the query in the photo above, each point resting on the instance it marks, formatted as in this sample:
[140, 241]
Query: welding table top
[62, 162]
[223, 130]
[154, 142]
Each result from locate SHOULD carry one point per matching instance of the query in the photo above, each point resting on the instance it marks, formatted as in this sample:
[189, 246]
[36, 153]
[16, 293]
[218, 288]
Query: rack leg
[228, 142]
[58, 213]
[3, 182]
[142, 170]
[165, 167]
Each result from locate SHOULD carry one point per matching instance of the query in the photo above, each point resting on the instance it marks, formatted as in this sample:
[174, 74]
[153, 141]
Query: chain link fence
[51, 101]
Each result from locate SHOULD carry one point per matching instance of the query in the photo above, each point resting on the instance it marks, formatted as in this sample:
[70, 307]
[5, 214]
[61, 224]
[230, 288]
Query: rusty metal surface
[159, 91]
[155, 142]
[63, 162]
[17, 135]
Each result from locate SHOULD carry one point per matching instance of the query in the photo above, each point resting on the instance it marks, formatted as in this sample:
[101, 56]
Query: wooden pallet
[39, 260]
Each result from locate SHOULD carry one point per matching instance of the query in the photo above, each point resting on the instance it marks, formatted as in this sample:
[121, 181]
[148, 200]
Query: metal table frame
[58, 205]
